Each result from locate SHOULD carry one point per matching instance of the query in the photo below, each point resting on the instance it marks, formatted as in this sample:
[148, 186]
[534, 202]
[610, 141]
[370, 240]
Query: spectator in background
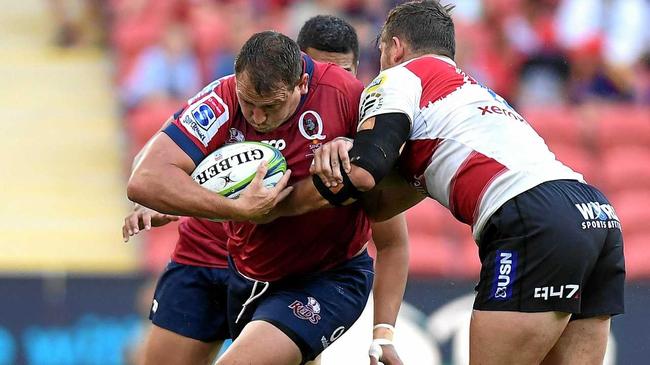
[543, 73]
[606, 41]
[168, 69]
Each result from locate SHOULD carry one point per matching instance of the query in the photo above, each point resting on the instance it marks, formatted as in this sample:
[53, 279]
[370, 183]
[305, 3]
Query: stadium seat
[136, 26]
[431, 255]
[147, 119]
[556, 125]
[468, 264]
[632, 209]
[626, 168]
[637, 255]
[427, 217]
[623, 126]
[577, 158]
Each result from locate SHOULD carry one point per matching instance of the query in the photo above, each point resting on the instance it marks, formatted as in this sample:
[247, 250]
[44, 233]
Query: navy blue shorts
[314, 310]
[191, 301]
[555, 247]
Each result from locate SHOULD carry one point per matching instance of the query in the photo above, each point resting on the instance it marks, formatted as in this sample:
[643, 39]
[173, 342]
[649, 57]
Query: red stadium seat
[556, 125]
[626, 168]
[637, 254]
[431, 255]
[632, 209]
[136, 26]
[468, 264]
[577, 158]
[147, 119]
[427, 217]
[623, 126]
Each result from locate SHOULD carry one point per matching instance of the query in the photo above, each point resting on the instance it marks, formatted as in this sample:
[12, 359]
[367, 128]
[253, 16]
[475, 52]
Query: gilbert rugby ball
[229, 169]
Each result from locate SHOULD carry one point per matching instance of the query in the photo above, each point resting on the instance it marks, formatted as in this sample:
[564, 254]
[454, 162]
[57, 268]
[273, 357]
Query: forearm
[171, 190]
[161, 181]
[303, 199]
[390, 198]
[391, 269]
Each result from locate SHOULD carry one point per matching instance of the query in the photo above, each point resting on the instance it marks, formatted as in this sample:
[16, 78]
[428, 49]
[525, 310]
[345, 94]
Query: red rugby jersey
[201, 243]
[294, 245]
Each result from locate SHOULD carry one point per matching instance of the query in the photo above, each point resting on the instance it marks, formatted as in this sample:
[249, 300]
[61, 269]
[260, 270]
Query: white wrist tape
[385, 325]
[375, 347]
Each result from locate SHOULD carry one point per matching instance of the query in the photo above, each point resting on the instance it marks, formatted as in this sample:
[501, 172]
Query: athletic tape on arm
[376, 150]
[346, 191]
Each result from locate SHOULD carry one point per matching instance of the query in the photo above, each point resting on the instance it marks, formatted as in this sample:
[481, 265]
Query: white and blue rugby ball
[229, 169]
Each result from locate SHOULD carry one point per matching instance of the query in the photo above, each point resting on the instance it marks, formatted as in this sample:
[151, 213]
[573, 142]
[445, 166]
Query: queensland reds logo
[309, 312]
[311, 126]
[235, 135]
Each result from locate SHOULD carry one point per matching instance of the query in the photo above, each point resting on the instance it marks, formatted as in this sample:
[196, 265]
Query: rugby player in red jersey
[201, 247]
[310, 127]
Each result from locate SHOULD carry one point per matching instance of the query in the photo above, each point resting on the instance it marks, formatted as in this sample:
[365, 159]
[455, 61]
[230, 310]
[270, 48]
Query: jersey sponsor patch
[203, 118]
[598, 215]
[371, 103]
[505, 270]
[375, 84]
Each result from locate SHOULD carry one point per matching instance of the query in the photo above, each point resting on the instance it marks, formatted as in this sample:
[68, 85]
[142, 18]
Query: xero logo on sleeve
[505, 271]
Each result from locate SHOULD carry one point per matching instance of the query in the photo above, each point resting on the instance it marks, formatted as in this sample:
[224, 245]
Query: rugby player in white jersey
[550, 244]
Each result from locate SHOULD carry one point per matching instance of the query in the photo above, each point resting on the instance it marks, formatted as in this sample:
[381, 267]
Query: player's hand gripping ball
[229, 169]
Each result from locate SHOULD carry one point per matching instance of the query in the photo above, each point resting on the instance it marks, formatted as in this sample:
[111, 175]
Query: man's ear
[399, 48]
[303, 85]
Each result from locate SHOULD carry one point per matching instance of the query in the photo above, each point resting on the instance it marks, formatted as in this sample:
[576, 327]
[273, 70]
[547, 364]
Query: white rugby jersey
[467, 149]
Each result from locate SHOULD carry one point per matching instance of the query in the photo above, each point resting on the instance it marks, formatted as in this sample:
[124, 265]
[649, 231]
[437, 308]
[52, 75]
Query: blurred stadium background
[86, 82]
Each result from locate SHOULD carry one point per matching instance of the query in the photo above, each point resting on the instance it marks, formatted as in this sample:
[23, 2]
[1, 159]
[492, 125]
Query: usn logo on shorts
[309, 312]
[597, 215]
[505, 270]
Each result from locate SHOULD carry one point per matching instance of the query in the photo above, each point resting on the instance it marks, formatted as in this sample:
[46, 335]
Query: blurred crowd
[579, 70]
[529, 51]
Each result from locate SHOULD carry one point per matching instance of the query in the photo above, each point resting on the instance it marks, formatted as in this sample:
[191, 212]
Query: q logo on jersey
[310, 125]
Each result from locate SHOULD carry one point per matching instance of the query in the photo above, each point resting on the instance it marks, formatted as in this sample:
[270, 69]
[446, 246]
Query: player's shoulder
[223, 87]
[329, 75]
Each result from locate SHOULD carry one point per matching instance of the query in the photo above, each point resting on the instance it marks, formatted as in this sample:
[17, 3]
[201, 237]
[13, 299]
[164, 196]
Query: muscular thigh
[313, 311]
[164, 347]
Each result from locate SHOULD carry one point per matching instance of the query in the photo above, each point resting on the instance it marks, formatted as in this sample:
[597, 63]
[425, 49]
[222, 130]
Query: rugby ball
[229, 169]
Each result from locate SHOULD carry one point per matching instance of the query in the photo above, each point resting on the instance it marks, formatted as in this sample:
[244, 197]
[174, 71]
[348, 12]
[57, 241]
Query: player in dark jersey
[311, 304]
[550, 245]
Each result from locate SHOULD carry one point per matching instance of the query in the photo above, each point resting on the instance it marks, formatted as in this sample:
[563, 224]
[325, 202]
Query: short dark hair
[270, 58]
[330, 34]
[425, 25]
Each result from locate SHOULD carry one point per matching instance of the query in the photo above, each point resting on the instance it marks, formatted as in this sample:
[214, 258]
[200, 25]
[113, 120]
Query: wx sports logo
[597, 215]
[504, 275]
[309, 312]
